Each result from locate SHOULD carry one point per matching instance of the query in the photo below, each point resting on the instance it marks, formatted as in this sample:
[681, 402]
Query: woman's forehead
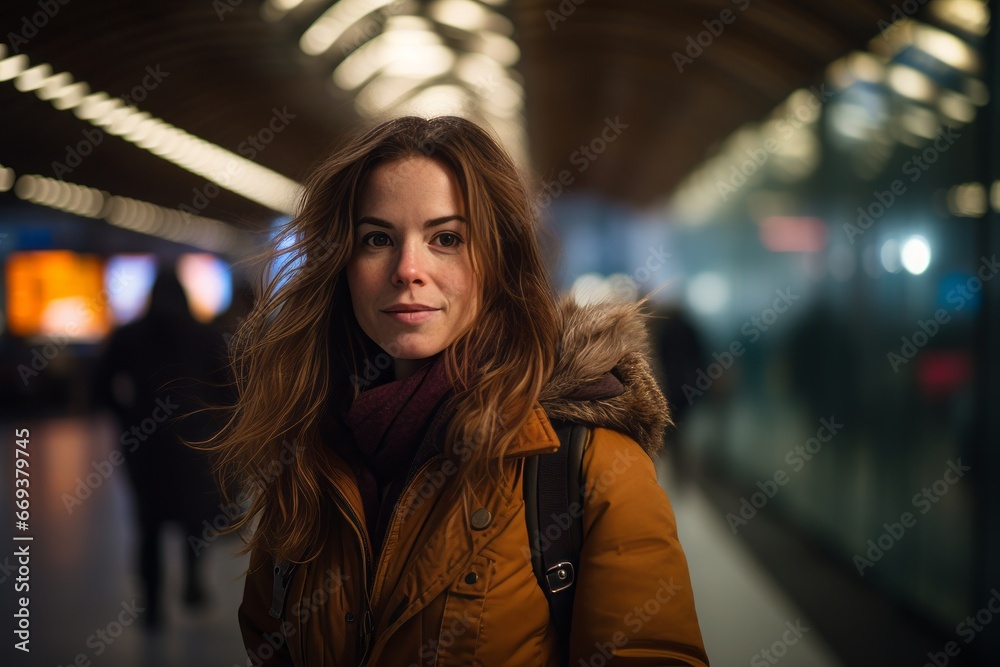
[410, 183]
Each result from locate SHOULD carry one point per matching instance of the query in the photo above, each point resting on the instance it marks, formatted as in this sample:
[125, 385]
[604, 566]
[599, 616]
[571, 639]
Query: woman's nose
[411, 265]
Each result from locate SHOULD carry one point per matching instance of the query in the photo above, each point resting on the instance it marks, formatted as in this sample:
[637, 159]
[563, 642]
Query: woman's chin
[414, 352]
[412, 348]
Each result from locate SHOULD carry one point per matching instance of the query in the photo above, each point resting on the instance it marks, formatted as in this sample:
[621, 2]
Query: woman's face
[410, 274]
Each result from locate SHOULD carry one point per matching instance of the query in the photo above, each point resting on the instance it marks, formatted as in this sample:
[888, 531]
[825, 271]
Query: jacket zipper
[402, 496]
[366, 621]
[366, 624]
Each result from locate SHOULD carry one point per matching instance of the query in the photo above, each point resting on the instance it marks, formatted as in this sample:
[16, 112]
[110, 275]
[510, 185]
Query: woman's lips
[413, 317]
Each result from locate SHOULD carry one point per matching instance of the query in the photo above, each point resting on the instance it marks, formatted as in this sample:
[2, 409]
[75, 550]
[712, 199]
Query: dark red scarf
[389, 422]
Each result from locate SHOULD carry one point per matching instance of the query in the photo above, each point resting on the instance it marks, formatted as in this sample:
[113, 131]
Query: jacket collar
[537, 436]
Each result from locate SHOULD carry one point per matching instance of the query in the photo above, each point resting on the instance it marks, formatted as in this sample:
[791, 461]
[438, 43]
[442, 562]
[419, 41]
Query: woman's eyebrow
[379, 222]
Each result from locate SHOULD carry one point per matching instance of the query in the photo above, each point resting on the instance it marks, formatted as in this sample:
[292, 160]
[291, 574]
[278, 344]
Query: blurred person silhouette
[241, 304]
[156, 374]
[680, 353]
[822, 354]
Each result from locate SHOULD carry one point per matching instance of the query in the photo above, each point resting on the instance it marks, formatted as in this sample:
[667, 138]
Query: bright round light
[890, 256]
[708, 293]
[916, 255]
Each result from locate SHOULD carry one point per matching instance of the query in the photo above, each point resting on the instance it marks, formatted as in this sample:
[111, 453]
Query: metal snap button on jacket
[481, 518]
[471, 578]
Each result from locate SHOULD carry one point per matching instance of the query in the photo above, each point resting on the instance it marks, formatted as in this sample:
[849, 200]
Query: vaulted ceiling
[673, 76]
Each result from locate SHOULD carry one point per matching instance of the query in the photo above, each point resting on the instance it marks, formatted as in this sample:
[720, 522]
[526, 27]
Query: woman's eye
[368, 240]
[449, 240]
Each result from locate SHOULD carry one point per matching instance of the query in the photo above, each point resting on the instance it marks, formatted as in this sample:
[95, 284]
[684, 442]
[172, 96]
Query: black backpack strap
[553, 496]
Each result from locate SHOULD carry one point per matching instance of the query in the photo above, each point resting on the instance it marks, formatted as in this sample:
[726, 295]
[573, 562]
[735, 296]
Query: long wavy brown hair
[298, 356]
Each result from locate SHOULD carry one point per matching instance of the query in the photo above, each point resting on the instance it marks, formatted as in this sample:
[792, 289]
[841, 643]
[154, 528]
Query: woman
[392, 379]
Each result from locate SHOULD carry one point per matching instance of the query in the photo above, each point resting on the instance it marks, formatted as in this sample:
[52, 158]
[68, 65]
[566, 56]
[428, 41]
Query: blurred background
[810, 188]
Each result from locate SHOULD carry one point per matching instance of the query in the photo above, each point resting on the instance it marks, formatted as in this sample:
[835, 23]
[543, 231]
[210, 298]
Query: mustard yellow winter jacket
[449, 590]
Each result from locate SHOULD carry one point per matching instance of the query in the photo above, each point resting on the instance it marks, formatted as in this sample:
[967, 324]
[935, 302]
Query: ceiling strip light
[133, 214]
[214, 163]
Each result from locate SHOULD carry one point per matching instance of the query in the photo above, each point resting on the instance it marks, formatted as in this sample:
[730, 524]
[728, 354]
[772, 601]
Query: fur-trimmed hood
[603, 375]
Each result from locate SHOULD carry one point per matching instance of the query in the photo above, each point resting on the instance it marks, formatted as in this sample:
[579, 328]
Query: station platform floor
[83, 579]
